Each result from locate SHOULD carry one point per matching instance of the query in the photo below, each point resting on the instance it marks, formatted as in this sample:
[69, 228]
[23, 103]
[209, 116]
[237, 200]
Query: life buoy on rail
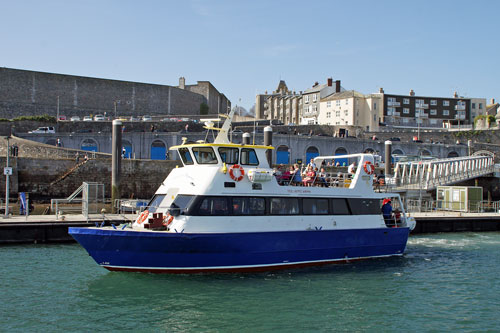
[240, 169]
[369, 168]
[167, 220]
[143, 217]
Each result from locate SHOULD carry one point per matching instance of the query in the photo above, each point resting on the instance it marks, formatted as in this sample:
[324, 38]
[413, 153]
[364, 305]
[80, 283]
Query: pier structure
[427, 175]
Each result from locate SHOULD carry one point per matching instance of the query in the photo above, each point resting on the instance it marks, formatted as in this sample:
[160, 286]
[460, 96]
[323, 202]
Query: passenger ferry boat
[226, 211]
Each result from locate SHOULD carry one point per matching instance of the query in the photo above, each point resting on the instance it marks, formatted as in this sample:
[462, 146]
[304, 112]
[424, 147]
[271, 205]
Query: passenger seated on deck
[387, 211]
[322, 180]
[285, 176]
[310, 176]
[296, 178]
[397, 215]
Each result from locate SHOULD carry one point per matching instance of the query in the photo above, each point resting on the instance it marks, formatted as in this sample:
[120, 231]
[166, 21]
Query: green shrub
[45, 118]
[204, 109]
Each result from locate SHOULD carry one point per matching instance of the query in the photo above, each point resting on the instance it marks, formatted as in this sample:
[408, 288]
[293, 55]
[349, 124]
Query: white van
[49, 129]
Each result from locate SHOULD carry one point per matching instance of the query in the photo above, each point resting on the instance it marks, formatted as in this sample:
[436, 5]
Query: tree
[204, 108]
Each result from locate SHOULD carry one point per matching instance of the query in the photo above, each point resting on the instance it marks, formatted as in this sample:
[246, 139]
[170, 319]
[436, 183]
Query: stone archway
[89, 144]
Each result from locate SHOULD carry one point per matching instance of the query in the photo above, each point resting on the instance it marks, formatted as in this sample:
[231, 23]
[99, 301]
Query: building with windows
[281, 104]
[440, 112]
[291, 107]
[351, 108]
[312, 97]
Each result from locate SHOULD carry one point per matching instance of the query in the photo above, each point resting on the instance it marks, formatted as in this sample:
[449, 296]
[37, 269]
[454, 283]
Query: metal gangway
[428, 174]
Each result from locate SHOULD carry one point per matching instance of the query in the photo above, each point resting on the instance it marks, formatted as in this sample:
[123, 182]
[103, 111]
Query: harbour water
[445, 282]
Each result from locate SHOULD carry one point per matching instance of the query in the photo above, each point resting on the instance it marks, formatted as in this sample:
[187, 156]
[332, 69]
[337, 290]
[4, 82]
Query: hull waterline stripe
[243, 267]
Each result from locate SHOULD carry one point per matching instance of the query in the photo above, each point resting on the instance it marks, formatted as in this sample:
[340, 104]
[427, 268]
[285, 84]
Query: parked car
[87, 118]
[395, 139]
[44, 130]
[61, 118]
[132, 118]
[75, 118]
[147, 118]
[99, 117]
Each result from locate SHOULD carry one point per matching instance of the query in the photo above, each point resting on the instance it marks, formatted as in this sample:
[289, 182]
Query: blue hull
[165, 252]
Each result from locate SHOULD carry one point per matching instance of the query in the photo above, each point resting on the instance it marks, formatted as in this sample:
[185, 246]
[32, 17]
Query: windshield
[155, 203]
[185, 156]
[204, 155]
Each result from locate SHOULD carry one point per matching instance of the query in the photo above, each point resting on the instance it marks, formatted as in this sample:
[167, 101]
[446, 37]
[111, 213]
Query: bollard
[268, 141]
[388, 158]
[246, 138]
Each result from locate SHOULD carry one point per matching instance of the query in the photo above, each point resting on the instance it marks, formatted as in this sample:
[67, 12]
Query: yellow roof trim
[234, 145]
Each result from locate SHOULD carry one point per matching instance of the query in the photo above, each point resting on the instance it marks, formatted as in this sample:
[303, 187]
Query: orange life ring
[369, 168]
[143, 217]
[167, 220]
[231, 172]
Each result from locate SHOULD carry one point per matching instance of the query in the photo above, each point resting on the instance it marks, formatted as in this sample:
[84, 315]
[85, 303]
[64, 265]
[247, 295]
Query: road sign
[7, 171]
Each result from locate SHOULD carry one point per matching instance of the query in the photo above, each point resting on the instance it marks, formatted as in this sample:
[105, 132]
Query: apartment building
[412, 111]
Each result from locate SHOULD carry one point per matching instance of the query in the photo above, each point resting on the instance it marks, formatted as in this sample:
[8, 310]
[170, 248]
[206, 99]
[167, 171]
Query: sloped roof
[342, 95]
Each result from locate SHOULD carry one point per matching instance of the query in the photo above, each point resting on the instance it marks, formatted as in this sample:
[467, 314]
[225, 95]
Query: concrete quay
[432, 222]
[49, 229]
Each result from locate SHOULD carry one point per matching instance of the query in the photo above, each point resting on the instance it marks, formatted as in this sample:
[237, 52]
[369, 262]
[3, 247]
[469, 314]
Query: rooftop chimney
[492, 101]
[315, 84]
[381, 90]
[337, 86]
[455, 95]
[412, 93]
[182, 82]
[329, 81]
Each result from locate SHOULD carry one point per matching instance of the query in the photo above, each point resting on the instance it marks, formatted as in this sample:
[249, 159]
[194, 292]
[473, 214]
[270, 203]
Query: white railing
[427, 175]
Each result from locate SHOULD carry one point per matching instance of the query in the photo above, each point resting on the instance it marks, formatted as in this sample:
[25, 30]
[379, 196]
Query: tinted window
[249, 206]
[229, 155]
[182, 203]
[213, 206]
[204, 155]
[248, 157]
[364, 206]
[185, 156]
[312, 206]
[284, 206]
[339, 207]
[155, 202]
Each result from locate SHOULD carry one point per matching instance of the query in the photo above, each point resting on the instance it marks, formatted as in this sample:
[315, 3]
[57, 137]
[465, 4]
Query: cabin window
[315, 206]
[213, 206]
[284, 206]
[249, 206]
[364, 206]
[249, 157]
[229, 155]
[204, 155]
[185, 156]
[181, 204]
[155, 202]
[339, 207]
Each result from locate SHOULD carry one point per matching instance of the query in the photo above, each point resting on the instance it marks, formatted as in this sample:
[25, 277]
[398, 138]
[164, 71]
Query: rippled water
[444, 282]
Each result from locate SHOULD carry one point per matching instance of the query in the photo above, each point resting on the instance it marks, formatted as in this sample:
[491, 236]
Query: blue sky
[246, 47]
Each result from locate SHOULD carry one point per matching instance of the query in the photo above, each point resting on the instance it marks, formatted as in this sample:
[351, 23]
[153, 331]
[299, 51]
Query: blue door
[158, 150]
[282, 155]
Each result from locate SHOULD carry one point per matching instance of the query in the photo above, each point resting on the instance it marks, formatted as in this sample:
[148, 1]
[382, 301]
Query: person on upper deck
[352, 168]
[296, 178]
